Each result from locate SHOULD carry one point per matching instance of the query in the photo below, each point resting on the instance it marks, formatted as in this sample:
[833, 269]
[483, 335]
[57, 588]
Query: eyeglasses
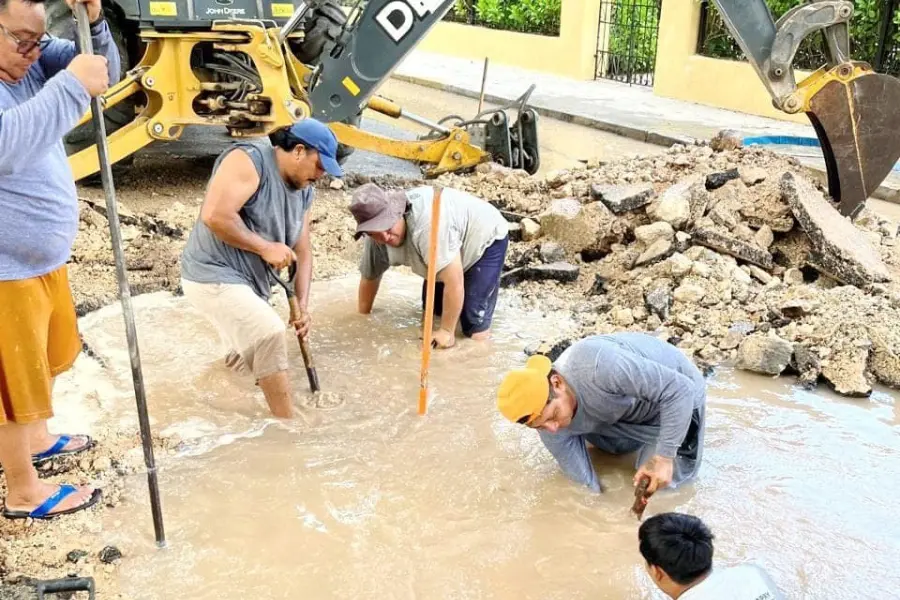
[25, 46]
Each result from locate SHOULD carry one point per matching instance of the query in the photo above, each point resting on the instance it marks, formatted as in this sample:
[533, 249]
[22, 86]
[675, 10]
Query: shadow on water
[377, 502]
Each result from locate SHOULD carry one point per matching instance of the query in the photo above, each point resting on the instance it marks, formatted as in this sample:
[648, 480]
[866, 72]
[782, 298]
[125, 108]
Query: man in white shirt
[678, 549]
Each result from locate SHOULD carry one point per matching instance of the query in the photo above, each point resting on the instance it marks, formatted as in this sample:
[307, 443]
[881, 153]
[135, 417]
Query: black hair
[679, 544]
[3, 3]
[283, 138]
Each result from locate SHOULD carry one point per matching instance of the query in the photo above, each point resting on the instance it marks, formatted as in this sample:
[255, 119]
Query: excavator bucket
[854, 112]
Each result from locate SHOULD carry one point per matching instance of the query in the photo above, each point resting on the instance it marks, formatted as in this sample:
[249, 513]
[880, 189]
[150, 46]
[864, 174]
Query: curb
[635, 133]
[883, 192]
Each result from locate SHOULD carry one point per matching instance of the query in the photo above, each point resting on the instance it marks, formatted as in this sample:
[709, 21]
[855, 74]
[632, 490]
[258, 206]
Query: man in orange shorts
[45, 88]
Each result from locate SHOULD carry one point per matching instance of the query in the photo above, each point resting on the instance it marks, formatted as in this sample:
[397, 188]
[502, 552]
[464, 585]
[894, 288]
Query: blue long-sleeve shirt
[631, 380]
[38, 200]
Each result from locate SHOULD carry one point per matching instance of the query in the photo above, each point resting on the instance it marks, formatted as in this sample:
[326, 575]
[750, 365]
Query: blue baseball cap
[315, 134]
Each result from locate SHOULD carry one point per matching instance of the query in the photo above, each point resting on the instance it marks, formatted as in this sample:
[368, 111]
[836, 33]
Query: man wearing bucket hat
[623, 392]
[472, 242]
[256, 214]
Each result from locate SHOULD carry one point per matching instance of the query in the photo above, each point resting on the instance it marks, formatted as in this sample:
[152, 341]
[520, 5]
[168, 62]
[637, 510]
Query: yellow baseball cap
[523, 393]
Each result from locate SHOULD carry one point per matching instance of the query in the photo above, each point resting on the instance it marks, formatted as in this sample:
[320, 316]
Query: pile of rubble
[735, 256]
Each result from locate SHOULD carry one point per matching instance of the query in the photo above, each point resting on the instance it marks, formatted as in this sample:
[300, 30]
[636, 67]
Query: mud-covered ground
[723, 253]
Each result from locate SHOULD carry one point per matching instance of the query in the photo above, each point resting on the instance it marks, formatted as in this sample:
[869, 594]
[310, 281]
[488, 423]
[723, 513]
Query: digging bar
[86, 47]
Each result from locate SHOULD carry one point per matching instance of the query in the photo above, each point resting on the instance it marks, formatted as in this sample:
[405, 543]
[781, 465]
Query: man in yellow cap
[623, 392]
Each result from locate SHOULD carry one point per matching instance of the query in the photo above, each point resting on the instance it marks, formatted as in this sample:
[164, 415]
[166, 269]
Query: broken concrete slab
[558, 271]
[531, 230]
[752, 175]
[622, 198]
[839, 248]
[730, 245]
[766, 354]
[674, 205]
[659, 301]
[648, 234]
[762, 276]
[764, 237]
[658, 250]
[716, 180]
[552, 252]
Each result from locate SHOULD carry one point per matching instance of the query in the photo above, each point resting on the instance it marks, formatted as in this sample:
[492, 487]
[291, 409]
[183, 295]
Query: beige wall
[571, 54]
[685, 75]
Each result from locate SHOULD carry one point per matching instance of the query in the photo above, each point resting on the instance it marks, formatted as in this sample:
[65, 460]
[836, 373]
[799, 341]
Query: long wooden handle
[429, 299]
[311, 373]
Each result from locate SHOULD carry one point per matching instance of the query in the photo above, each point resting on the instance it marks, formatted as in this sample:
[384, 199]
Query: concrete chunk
[530, 230]
[839, 248]
[674, 205]
[766, 354]
[658, 250]
[716, 180]
[752, 175]
[557, 271]
[648, 234]
[622, 198]
[730, 245]
[515, 232]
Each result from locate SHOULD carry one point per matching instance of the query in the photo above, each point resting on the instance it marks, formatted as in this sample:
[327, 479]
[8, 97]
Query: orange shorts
[38, 340]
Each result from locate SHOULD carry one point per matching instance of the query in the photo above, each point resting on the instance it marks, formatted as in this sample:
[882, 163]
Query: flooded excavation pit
[375, 501]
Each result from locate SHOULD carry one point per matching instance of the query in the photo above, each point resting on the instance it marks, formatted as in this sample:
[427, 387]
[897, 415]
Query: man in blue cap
[256, 214]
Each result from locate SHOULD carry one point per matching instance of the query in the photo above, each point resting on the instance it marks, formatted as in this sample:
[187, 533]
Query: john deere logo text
[396, 18]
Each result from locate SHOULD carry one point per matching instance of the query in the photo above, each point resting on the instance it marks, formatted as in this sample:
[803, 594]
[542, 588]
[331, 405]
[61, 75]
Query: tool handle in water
[311, 373]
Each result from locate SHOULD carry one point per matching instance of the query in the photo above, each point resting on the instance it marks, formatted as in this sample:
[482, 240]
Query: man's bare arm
[303, 250]
[454, 294]
[368, 289]
[235, 181]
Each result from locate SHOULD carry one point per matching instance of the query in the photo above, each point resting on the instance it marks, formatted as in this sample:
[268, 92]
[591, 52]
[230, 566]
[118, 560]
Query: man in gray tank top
[256, 214]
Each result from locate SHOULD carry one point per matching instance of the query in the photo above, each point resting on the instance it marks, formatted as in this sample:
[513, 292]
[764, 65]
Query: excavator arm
[852, 109]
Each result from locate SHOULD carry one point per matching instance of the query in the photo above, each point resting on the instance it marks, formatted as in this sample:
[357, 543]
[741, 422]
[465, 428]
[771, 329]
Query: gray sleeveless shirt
[275, 212]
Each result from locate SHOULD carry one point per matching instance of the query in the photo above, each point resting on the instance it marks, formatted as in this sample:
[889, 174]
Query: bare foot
[29, 499]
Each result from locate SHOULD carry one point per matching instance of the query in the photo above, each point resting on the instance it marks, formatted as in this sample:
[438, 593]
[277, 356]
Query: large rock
[752, 175]
[591, 227]
[766, 354]
[552, 252]
[885, 358]
[845, 368]
[648, 234]
[840, 250]
[742, 250]
[674, 206]
[622, 198]
[690, 293]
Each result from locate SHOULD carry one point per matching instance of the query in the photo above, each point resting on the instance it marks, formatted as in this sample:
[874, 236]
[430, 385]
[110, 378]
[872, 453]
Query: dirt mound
[735, 256]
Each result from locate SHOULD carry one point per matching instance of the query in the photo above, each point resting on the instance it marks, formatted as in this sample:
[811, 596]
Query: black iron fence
[627, 38]
[874, 35]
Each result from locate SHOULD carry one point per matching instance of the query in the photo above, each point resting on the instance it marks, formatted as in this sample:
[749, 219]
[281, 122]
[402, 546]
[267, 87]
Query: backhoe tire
[321, 29]
[61, 23]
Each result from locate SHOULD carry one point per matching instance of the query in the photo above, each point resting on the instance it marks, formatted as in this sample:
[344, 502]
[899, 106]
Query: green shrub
[865, 29]
[528, 16]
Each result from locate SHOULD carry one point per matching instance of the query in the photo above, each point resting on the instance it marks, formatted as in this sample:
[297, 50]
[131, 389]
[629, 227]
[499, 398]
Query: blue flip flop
[42, 512]
[56, 450]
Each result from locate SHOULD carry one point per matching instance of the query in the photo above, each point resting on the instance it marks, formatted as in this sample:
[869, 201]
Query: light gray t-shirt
[275, 212]
[741, 582]
[468, 226]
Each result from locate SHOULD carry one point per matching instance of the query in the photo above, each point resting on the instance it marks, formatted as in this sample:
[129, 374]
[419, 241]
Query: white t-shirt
[742, 582]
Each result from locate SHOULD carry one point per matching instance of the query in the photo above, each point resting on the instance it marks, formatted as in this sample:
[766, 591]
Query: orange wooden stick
[429, 299]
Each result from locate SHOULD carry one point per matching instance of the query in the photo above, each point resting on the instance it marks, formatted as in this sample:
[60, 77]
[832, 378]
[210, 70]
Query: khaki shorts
[38, 340]
[250, 329]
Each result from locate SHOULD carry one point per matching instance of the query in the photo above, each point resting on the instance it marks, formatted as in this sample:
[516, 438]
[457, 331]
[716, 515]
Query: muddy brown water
[377, 502]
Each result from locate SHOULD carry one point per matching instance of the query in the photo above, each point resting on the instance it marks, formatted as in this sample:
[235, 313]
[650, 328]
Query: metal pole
[292, 23]
[483, 84]
[86, 47]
